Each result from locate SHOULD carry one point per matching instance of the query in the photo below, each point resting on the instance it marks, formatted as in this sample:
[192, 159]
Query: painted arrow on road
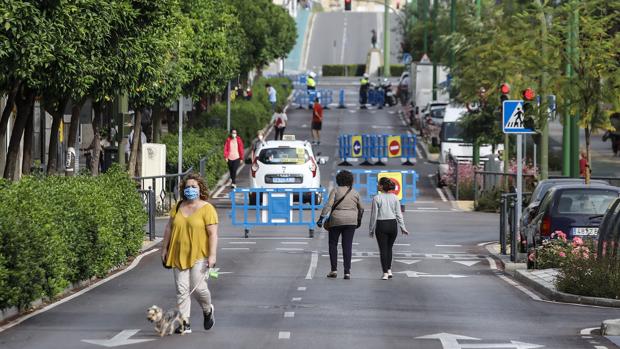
[451, 341]
[120, 339]
[352, 260]
[417, 274]
[407, 261]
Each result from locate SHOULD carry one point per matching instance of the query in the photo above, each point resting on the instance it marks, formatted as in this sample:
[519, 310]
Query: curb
[519, 272]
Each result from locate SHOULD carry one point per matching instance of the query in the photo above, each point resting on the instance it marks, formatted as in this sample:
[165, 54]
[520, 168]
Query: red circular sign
[394, 147]
[396, 186]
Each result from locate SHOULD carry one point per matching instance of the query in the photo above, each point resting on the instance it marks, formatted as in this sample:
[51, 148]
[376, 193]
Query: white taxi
[285, 164]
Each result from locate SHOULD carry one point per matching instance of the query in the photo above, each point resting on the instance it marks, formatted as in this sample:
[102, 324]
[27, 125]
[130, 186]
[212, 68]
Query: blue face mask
[191, 193]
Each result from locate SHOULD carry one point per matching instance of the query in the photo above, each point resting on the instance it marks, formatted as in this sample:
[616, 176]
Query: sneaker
[389, 274]
[332, 274]
[183, 329]
[347, 276]
[385, 276]
[233, 186]
[208, 318]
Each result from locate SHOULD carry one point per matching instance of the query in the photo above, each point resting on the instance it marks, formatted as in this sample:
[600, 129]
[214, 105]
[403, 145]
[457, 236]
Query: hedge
[395, 70]
[196, 145]
[61, 230]
[343, 69]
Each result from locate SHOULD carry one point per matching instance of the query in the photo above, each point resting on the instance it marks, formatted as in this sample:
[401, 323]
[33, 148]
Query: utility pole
[566, 127]
[386, 40]
[574, 125]
[425, 4]
[543, 115]
[478, 9]
[434, 54]
[228, 107]
[452, 28]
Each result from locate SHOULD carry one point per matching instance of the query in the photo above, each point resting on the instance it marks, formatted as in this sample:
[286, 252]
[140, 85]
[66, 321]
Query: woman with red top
[317, 122]
[233, 151]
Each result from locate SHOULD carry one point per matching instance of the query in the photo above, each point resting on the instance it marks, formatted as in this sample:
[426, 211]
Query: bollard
[341, 100]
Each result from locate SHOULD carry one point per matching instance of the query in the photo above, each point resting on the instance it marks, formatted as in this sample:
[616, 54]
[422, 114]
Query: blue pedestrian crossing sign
[514, 118]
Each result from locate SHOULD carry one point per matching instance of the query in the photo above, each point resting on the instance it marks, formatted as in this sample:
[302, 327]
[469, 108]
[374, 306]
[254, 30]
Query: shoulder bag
[326, 222]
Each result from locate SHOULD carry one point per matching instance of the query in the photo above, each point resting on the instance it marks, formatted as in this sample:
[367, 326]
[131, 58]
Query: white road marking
[492, 263]
[284, 335]
[313, 262]
[467, 263]
[520, 287]
[264, 238]
[79, 293]
[448, 246]
[425, 202]
[301, 288]
[417, 274]
[289, 314]
[487, 243]
[296, 299]
[408, 262]
[588, 331]
[344, 39]
[431, 211]
[121, 338]
[355, 243]
[441, 195]
[600, 347]
[402, 244]
[428, 208]
[352, 260]
[242, 242]
[294, 242]
[236, 248]
[289, 249]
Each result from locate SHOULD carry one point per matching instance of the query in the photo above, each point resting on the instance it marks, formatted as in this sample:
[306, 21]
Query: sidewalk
[603, 161]
[543, 281]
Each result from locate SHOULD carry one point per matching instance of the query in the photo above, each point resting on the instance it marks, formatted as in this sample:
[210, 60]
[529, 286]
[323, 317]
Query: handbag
[326, 223]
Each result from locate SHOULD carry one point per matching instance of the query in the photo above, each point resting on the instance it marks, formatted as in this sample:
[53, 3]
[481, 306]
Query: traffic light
[347, 5]
[528, 96]
[505, 90]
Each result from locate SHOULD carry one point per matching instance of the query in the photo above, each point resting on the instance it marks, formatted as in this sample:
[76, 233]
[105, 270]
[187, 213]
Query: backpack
[279, 121]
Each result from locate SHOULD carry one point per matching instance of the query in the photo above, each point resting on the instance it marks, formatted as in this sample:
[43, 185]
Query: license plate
[585, 231]
[283, 179]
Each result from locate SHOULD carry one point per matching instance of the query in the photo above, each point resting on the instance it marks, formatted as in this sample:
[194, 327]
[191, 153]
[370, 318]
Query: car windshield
[438, 112]
[451, 132]
[585, 201]
[283, 155]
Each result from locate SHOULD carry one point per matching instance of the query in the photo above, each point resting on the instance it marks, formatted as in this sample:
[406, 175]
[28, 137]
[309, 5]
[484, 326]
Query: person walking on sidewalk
[385, 219]
[233, 151]
[345, 216]
[317, 122]
[190, 248]
[272, 95]
[279, 120]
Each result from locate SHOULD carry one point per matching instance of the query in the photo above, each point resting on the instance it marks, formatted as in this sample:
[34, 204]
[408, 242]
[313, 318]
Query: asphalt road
[272, 292]
[344, 38]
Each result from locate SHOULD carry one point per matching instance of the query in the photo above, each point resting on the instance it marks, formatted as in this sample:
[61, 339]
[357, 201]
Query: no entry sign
[394, 146]
[397, 178]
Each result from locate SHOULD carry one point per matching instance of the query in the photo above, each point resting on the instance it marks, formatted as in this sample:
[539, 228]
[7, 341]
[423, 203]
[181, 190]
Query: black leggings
[233, 165]
[386, 232]
[279, 133]
[347, 232]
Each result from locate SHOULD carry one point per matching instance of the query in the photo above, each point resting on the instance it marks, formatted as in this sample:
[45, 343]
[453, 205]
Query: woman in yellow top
[190, 247]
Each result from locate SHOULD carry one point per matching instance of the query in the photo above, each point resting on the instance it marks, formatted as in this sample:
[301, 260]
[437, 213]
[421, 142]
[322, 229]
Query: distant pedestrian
[272, 96]
[129, 144]
[364, 87]
[233, 152]
[279, 120]
[345, 211]
[311, 82]
[317, 122]
[385, 219]
[248, 94]
[258, 143]
[190, 248]
[373, 38]
[584, 167]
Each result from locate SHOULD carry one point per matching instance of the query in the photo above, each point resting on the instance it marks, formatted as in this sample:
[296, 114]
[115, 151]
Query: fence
[148, 201]
[377, 149]
[303, 97]
[365, 183]
[276, 207]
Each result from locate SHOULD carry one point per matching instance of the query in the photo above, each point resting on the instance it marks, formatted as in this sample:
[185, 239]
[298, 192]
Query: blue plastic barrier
[303, 97]
[276, 207]
[365, 183]
[341, 104]
[376, 97]
[375, 148]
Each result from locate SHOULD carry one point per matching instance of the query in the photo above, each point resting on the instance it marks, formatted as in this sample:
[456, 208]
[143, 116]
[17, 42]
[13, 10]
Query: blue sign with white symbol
[514, 118]
[407, 59]
[357, 147]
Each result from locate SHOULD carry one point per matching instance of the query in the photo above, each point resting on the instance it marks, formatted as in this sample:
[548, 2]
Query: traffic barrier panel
[341, 104]
[365, 183]
[377, 149]
[276, 207]
[376, 97]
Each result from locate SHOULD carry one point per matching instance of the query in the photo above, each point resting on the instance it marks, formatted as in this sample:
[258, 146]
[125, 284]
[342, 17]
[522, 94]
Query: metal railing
[148, 201]
[485, 181]
[166, 189]
[508, 224]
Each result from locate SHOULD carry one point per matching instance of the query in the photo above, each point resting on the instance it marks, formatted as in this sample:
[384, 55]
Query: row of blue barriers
[303, 97]
[377, 148]
[260, 207]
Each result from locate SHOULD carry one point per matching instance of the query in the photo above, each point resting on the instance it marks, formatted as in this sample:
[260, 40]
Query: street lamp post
[386, 40]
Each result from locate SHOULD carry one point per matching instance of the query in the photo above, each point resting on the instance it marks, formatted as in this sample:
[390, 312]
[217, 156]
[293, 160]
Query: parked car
[286, 164]
[609, 231]
[573, 209]
[529, 212]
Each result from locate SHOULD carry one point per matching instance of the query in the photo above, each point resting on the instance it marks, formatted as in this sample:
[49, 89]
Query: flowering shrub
[559, 251]
[592, 277]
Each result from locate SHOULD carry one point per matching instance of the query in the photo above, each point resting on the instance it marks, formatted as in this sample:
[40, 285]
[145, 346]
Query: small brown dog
[165, 323]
